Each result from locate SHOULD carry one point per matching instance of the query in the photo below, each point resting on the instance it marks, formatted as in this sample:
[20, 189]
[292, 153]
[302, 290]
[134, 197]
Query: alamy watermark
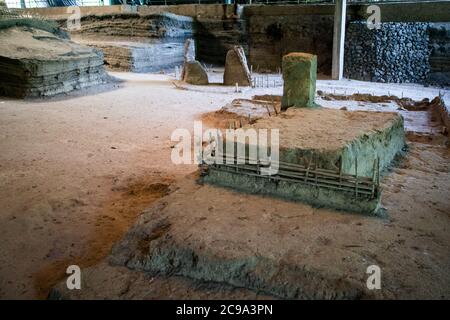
[374, 280]
[74, 279]
[74, 19]
[374, 19]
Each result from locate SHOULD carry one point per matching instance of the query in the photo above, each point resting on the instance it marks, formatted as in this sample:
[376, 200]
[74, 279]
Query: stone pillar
[299, 75]
[188, 54]
[189, 50]
[337, 69]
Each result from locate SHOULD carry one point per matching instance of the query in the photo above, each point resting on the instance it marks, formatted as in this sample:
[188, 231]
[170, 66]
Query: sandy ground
[76, 171]
[293, 250]
[321, 124]
[325, 253]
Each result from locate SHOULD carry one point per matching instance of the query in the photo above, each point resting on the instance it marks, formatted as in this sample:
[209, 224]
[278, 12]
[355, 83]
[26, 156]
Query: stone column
[299, 75]
[337, 69]
[188, 55]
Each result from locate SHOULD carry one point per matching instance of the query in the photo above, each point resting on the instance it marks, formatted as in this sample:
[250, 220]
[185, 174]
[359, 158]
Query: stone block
[299, 75]
[236, 68]
[194, 73]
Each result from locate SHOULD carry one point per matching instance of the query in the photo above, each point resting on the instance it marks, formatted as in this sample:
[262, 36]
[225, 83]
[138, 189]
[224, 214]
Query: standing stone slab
[194, 73]
[299, 75]
[236, 68]
[189, 50]
[188, 54]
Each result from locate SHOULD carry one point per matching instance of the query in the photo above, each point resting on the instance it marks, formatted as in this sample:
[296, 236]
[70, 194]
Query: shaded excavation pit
[327, 158]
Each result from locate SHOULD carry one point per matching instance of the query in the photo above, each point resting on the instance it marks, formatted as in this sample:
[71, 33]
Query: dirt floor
[24, 43]
[76, 171]
[227, 237]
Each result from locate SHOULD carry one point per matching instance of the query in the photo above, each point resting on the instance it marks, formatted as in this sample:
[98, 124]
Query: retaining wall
[396, 52]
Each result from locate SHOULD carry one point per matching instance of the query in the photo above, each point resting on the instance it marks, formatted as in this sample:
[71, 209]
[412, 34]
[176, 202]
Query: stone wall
[396, 52]
[440, 53]
[415, 52]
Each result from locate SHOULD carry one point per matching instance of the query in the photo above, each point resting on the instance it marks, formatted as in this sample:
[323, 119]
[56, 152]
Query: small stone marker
[194, 73]
[236, 68]
[299, 75]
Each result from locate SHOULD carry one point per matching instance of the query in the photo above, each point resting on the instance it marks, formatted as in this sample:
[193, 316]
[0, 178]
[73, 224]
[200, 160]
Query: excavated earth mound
[333, 134]
[324, 157]
[135, 42]
[136, 25]
[35, 63]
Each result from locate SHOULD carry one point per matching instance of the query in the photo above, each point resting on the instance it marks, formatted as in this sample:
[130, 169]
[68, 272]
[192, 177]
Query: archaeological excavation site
[224, 151]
